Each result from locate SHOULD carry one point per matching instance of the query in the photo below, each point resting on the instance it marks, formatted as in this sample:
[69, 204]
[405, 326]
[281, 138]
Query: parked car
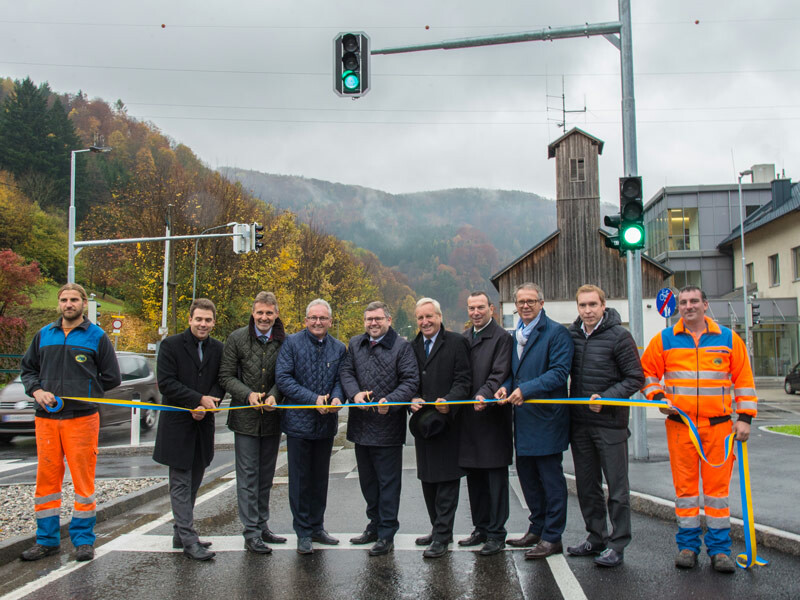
[792, 382]
[138, 379]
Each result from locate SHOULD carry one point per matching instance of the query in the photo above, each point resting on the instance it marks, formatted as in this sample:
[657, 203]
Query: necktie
[200, 350]
[263, 339]
[372, 343]
[475, 334]
[428, 344]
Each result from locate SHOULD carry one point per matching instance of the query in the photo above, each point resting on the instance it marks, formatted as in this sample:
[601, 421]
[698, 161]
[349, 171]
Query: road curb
[653, 506]
[11, 548]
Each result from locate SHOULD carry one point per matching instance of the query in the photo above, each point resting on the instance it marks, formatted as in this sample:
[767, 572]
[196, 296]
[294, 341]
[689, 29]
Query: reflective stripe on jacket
[700, 378]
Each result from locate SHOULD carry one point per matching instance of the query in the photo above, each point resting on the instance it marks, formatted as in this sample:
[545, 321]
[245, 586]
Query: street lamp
[747, 340]
[194, 277]
[71, 248]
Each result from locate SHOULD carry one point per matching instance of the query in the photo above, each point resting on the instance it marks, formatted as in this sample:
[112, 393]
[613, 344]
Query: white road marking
[343, 461]
[138, 542]
[107, 548]
[14, 464]
[565, 578]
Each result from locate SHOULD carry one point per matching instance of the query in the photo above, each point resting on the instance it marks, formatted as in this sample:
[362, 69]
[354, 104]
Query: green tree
[35, 142]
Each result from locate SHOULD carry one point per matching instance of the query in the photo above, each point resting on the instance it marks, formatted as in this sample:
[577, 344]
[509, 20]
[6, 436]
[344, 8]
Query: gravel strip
[17, 518]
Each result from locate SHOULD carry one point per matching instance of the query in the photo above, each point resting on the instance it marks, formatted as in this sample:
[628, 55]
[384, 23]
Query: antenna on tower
[562, 123]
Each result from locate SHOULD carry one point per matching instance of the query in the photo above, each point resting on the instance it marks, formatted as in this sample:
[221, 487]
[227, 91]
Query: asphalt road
[135, 558]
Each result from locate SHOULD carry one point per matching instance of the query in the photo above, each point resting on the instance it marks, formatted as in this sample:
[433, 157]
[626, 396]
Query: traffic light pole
[624, 44]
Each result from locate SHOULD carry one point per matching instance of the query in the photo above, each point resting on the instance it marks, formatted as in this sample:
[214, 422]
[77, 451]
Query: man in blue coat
[540, 364]
[307, 372]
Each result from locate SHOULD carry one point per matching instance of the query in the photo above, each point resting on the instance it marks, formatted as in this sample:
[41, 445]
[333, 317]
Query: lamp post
[71, 248]
[748, 342]
[194, 277]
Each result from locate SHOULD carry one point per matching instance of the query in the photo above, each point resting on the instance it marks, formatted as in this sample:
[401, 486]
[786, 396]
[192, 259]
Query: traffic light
[256, 236]
[755, 313]
[241, 238]
[631, 211]
[612, 241]
[351, 64]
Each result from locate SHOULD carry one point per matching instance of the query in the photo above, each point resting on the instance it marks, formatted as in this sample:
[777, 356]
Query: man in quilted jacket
[307, 373]
[605, 365]
[379, 366]
[247, 373]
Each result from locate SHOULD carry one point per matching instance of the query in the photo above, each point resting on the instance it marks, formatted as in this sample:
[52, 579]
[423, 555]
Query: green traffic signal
[632, 236]
[350, 80]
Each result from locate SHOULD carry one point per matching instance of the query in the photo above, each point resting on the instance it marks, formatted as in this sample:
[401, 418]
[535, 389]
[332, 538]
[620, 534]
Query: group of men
[702, 365]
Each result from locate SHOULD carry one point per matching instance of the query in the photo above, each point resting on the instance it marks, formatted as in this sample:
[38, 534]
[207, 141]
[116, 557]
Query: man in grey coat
[247, 373]
[379, 366]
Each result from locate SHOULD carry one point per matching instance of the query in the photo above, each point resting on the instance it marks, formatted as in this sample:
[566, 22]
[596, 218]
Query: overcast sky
[249, 84]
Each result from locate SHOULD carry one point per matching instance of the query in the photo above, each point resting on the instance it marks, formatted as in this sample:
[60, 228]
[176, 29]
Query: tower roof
[551, 147]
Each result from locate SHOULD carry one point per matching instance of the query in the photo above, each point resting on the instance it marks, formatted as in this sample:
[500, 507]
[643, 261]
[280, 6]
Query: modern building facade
[691, 230]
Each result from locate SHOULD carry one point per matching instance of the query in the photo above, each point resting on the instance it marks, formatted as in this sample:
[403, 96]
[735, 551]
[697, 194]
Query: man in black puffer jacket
[605, 365]
[247, 373]
[379, 366]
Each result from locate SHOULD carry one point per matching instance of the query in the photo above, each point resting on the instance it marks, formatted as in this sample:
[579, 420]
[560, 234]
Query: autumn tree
[17, 281]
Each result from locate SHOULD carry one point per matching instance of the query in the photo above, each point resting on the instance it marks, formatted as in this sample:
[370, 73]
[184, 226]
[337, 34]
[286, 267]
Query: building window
[683, 229]
[576, 170]
[683, 278]
[796, 262]
[774, 270]
[749, 273]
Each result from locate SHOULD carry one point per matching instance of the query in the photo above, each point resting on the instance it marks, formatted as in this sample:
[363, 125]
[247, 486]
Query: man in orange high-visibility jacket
[704, 366]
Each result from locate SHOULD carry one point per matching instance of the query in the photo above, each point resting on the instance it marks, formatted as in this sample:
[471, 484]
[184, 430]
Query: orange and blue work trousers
[75, 439]
[687, 469]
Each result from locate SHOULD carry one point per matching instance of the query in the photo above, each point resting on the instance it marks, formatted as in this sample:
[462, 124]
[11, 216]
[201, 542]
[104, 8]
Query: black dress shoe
[526, 541]
[197, 552]
[475, 539]
[271, 538]
[178, 544]
[304, 545]
[323, 537]
[435, 550]
[585, 548]
[609, 558]
[492, 547]
[425, 540]
[544, 549]
[257, 545]
[367, 537]
[381, 547]
[38, 551]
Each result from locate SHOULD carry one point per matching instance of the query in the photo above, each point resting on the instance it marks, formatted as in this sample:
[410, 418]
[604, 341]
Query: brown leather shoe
[544, 549]
[526, 541]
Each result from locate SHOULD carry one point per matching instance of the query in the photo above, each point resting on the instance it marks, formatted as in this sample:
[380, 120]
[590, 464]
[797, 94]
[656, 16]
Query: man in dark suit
[188, 366]
[540, 365]
[443, 359]
[485, 445]
[379, 366]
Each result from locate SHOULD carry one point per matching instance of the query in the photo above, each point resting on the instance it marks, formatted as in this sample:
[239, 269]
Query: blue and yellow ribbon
[744, 561]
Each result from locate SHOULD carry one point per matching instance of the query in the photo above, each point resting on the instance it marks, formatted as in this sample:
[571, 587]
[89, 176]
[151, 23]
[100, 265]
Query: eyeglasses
[533, 302]
[374, 319]
[318, 319]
